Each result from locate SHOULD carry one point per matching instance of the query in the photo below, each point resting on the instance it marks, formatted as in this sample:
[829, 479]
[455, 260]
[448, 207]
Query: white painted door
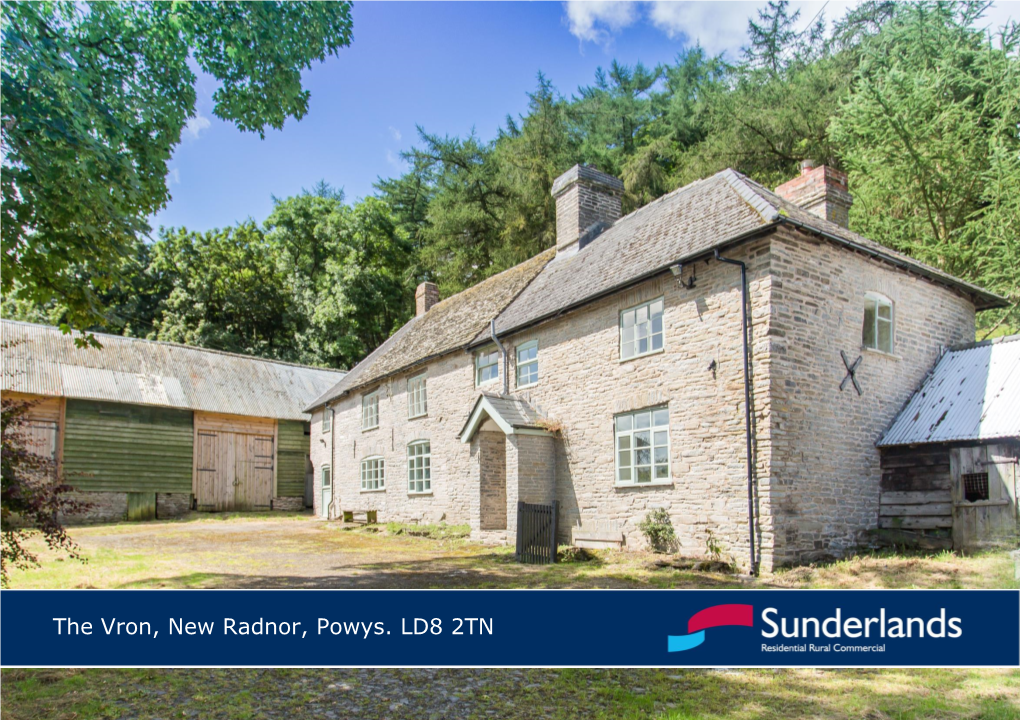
[327, 491]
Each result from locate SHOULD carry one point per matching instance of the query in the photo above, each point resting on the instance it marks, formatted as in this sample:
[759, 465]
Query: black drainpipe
[502, 350]
[747, 405]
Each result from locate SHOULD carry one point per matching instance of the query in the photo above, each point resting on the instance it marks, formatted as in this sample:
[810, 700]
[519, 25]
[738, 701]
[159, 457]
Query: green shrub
[658, 530]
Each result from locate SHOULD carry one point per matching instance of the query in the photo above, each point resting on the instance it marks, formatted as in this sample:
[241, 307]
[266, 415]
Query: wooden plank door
[206, 487]
[984, 506]
[253, 488]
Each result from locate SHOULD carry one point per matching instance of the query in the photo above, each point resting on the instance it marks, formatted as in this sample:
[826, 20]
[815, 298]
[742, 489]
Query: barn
[950, 471]
[145, 429]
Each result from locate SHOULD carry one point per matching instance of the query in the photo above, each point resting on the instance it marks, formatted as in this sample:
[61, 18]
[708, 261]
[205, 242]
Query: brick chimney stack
[821, 191]
[584, 196]
[425, 297]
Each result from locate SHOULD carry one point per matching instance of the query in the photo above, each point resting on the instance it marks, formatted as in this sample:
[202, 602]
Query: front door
[327, 492]
[984, 496]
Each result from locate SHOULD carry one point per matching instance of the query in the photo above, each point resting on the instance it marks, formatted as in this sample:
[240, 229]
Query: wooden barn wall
[116, 447]
[293, 449]
[916, 489]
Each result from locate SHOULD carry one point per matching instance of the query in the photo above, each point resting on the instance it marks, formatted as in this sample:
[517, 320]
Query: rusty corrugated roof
[973, 393]
[41, 360]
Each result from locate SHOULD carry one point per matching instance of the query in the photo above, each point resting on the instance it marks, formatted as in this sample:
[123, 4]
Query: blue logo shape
[678, 643]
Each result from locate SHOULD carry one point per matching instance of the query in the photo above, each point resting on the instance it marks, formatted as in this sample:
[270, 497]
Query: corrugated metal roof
[973, 393]
[41, 360]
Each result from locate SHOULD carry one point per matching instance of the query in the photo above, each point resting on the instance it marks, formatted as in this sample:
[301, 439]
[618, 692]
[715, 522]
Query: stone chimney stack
[821, 191]
[425, 297]
[584, 197]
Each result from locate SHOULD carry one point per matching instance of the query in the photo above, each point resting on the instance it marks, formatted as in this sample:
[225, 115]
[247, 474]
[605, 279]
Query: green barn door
[134, 449]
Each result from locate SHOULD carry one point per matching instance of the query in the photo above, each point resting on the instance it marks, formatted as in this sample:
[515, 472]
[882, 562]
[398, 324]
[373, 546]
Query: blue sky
[449, 67]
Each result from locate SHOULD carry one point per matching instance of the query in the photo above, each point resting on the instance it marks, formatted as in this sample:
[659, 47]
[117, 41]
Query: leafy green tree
[95, 96]
[929, 137]
[228, 292]
[363, 294]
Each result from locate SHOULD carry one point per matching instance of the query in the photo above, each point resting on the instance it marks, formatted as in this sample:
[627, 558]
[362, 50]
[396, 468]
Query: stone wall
[111, 507]
[825, 468]
[583, 384]
[171, 505]
[289, 504]
[815, 469]
[451, 395]
[492, 471]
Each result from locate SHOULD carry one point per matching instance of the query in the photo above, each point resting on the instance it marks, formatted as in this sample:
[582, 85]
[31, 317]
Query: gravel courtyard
[300, 551]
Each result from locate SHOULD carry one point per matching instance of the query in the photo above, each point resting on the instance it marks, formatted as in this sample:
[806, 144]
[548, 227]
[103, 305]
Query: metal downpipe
[747, 406]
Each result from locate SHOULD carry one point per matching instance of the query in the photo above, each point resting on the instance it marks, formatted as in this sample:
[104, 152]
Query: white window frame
[530, 363]
[373, 474]
[325, 477]
[369, 401]
[419, 468]
[649, 322]
[875, 301]
[493, 353]
[327, 419]
[417, 397]
[625, 448]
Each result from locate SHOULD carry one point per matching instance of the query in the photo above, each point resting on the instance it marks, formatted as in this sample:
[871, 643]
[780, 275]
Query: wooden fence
[536, 532]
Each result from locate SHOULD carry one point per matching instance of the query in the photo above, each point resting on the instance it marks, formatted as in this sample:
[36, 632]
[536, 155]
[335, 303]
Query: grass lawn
[512, 694]
[281, 550]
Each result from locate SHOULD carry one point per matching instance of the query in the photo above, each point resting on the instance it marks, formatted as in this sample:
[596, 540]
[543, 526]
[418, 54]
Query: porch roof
[512, 414]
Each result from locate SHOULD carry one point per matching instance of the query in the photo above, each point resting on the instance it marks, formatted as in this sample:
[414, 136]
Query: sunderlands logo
[805, 629]
[836, 627]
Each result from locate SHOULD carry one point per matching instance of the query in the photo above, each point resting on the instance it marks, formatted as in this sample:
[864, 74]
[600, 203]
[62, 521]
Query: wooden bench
[371, 516]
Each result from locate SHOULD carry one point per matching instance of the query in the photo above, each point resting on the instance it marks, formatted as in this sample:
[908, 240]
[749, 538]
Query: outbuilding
[950, 471]
[145, 429]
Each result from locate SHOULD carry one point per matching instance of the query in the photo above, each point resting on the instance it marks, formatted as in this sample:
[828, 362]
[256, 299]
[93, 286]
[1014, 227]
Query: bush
[658, 530]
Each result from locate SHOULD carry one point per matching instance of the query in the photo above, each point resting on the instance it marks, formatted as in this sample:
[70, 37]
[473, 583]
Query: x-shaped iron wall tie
[851, 372]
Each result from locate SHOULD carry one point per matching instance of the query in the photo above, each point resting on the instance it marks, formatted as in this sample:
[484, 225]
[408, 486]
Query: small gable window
[417, 399]
[486, 367]
[327, 419]
[641, 330]
[419, 467]
[527, 364]
[878, 323]
[373, 474]
[370, 411]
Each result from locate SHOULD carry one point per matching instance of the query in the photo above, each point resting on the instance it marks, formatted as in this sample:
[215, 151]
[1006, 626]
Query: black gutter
[506, 359]
[747, 405]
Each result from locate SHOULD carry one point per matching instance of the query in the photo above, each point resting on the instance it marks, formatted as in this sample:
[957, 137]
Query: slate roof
[449, 325]
[686, 224]
[972, 393]
[718, 212]
[512, 410]
[41, 360]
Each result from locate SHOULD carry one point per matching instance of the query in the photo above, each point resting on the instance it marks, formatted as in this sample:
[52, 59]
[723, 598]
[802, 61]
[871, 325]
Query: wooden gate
[984, 496]
[536, 532]
[234, 463]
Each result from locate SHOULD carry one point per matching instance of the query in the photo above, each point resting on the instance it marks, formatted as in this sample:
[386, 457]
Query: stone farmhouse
[728, 353]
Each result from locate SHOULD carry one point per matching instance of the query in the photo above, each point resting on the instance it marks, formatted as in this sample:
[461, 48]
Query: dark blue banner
[494, 628]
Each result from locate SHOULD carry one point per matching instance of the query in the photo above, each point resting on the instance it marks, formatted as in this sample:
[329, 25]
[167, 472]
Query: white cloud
[196, 126]
[720, 27]
[395, 133]
[599, 20]
[395, 160]
[174, 177]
